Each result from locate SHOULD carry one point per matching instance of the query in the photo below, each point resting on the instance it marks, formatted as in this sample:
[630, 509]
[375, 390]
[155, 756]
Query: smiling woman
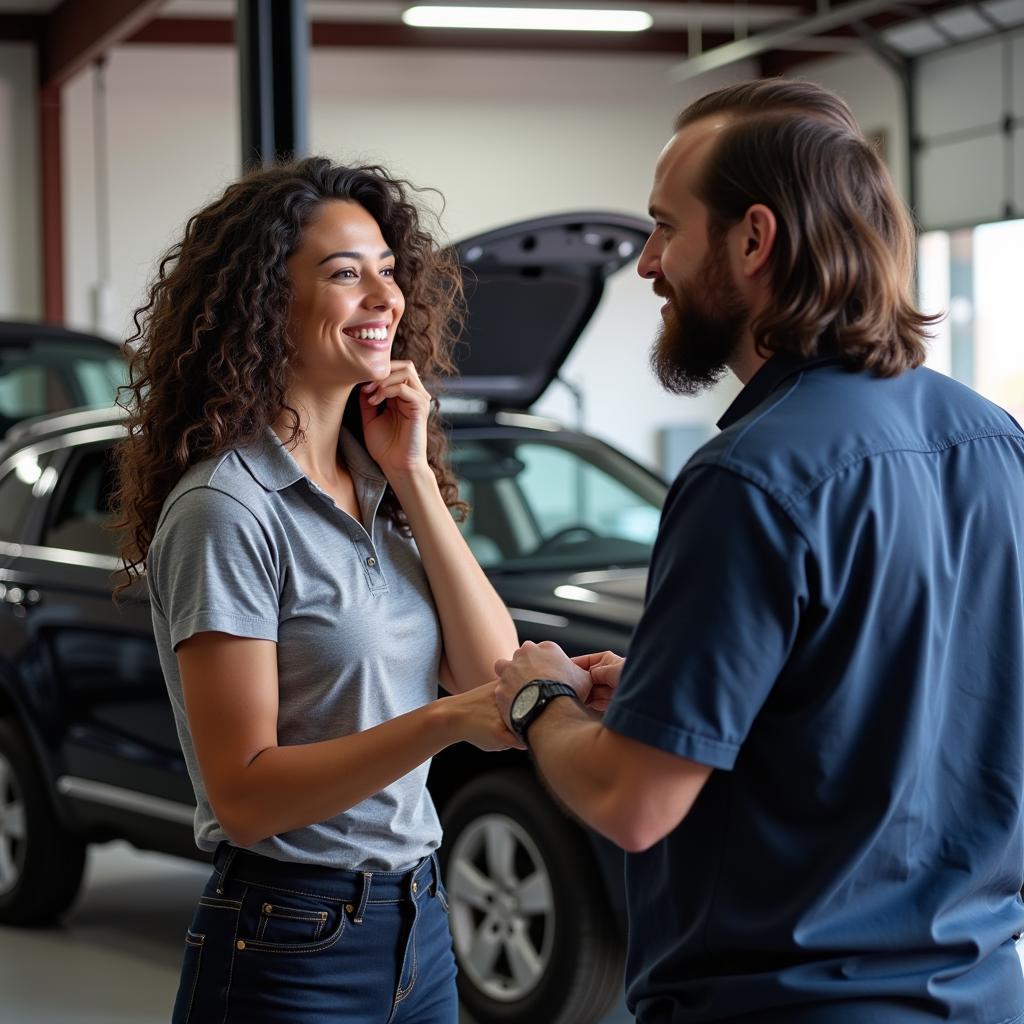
[216, 338]
[285, 490]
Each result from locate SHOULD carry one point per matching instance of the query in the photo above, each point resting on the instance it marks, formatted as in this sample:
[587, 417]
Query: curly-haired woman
[284, 489]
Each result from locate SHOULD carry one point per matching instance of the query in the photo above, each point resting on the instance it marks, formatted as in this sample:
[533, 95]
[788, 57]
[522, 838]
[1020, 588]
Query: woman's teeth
[371, 334]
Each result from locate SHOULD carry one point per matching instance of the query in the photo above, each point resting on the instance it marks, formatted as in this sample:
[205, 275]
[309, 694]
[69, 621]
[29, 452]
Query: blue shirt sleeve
[212, 568]
[727, 584]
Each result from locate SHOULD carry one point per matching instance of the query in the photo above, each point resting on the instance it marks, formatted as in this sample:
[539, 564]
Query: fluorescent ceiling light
[547, 18]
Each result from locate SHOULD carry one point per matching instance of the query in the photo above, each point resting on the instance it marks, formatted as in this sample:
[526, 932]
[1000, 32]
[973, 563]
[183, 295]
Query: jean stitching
[195, 973]
[286, 948]
[231, 966]
[222, 874]
[364, 897]
[294, 892]
[303, 892]
[309, 916]
[402, 993]
[212, 901]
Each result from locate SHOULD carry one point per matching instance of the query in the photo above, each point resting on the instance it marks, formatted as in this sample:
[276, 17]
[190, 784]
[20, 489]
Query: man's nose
[649, 264]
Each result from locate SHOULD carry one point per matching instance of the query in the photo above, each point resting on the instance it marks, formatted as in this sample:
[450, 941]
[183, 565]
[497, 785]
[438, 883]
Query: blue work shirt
[835, 622]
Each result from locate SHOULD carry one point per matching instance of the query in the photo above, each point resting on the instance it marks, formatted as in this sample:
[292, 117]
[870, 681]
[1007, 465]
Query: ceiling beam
[778, 38]
[79, 31]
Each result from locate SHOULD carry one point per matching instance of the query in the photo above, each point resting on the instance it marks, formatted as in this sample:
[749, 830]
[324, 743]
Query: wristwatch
[532, 699]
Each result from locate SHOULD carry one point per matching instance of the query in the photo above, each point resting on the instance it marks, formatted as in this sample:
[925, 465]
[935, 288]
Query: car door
[121, 763]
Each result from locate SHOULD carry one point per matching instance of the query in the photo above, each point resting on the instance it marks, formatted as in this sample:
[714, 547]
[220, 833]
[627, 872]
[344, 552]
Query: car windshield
[52, 374]
[554, 504]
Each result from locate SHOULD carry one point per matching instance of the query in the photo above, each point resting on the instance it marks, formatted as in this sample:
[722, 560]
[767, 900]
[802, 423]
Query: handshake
[481, 716]
[594, 677]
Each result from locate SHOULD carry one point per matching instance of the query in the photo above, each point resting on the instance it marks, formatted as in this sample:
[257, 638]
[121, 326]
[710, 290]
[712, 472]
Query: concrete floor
[116, 958]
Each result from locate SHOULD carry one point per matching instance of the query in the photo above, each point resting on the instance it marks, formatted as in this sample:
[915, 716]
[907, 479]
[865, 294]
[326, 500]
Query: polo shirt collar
[274, 468]
[779, 368]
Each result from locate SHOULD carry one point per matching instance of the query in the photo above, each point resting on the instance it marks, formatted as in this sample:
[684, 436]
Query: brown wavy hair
[843, 260]
[211, 353]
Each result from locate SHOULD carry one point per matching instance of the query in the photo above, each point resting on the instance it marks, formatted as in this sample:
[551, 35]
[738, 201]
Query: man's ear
[756, 233]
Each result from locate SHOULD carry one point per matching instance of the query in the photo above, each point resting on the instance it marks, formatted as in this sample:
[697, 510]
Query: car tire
[41, 862]
[534, 936]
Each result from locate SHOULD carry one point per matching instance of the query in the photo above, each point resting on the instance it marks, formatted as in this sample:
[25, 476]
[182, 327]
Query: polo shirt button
[371, 562]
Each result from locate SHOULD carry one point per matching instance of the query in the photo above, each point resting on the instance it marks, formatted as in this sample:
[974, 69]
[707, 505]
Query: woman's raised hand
[396, 437]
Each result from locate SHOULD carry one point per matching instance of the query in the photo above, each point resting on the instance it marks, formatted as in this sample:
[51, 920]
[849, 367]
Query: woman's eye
[344, 272]
[389, 271]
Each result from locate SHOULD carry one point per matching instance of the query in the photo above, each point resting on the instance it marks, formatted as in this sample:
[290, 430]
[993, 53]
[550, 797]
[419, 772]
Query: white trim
[126, 799]
[540, 618]
[62, 556]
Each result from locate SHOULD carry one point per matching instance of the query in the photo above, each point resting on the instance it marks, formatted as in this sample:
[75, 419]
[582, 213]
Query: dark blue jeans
[275, 943]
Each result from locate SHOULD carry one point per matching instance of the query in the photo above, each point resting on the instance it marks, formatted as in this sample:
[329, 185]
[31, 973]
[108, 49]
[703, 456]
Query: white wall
[20, 227]
[503, 136]
[172, 137]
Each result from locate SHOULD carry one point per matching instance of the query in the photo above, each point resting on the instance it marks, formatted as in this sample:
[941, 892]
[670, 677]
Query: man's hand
[605, 669]
[537, 661]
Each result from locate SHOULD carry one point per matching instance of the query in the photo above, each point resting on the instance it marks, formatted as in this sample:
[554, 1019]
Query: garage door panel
[962, 183]
[961, 89]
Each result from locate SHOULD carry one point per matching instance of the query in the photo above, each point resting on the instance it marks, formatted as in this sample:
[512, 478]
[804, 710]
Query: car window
[29, 478]
[53, 374]
[79, 522]
[554, 504]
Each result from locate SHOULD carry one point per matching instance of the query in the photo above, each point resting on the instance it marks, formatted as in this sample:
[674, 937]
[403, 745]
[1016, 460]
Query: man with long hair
[814, 750]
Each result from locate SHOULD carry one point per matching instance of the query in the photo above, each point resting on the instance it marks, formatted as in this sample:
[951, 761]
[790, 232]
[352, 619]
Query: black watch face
[524, 702]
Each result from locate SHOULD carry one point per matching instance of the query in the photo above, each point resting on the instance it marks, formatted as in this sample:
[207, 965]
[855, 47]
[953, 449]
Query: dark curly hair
[212, 364]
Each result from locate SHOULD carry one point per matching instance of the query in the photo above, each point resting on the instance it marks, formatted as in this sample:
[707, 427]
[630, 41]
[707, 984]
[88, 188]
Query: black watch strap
[547, 691]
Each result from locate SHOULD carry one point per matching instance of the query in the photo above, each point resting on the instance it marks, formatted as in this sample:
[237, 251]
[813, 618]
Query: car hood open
[531, 289]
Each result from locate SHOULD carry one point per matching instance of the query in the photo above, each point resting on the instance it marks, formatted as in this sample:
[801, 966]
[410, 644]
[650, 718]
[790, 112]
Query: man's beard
[702, 329]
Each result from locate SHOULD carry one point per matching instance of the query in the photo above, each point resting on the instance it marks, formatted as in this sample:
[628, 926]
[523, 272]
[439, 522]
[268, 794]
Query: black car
[562, 523]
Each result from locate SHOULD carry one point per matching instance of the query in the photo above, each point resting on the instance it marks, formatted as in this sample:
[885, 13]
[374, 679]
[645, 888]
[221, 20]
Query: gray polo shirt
[247, 544]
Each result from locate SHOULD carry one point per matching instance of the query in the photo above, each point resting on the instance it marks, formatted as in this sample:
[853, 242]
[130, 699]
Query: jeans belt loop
[228, 859]
[437, 871]
[363, 897]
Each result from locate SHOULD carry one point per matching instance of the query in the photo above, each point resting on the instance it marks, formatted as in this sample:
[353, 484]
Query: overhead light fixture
[552, 19]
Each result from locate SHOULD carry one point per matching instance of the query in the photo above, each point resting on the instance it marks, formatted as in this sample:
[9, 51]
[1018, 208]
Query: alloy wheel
[12, 827]
[502, 907]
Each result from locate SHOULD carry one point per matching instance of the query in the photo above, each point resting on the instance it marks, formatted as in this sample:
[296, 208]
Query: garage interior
[120, 117]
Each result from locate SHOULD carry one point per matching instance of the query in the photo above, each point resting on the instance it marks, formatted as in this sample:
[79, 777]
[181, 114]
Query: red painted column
[50, 195]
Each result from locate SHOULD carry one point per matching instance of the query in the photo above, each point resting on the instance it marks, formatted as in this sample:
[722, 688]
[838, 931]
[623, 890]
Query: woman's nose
[382, 297]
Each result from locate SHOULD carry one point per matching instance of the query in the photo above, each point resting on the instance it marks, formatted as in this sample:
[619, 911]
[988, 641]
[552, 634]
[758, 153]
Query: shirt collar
[780, 367]
[274, 468]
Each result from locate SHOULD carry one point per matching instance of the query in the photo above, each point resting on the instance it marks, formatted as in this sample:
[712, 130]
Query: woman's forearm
[475, 625]
[290, 787]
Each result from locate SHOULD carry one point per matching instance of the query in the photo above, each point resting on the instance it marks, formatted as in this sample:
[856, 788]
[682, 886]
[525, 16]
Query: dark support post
[273, 57]
[51, 202]
[908, 82]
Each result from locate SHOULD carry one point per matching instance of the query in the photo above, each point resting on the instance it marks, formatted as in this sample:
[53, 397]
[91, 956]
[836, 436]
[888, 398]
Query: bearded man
[814, 750]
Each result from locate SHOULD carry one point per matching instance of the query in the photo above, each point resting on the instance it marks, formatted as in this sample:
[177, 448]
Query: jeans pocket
[275, 921]
[194, 943]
